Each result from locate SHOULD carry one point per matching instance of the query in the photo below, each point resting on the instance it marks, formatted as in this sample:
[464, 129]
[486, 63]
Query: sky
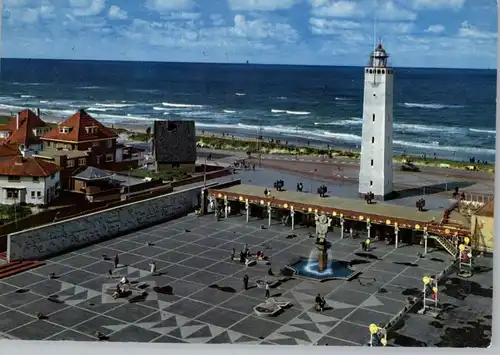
[416, 33]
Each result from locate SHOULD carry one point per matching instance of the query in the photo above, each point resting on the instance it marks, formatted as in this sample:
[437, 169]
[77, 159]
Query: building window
[12, 193]
[39, 194]
[82, 161]
[52, 177]
[373, 117]
[373, 140]
[109, 158]
[176, 165]
[36, 179]
[14, 179]
[33, 194]
[70, 163]
[98, 159]
[372, 162]
[371, 183]
[109, 143]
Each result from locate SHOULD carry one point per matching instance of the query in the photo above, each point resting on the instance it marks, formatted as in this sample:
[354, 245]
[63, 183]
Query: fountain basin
[308, 268]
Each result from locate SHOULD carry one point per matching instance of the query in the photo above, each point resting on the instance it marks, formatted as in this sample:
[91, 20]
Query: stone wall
[72, 233]
[174, 142]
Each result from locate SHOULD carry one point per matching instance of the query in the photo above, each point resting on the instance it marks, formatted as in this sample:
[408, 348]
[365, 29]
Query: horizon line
[230, 63]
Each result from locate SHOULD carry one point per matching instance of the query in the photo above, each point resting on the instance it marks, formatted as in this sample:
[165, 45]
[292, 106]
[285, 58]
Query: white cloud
[438, 4]
[468, 31]
[321, 26]
[217, 20]
[169, 5]
[115, 13]
[388, 11]
[330, 8]
[259, 28]
[260, 5]
[435, 29]
[87, 7]
[384, 10]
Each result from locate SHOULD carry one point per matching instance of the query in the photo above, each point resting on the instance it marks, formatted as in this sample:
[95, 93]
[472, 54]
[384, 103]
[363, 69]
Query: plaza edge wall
[51, 239]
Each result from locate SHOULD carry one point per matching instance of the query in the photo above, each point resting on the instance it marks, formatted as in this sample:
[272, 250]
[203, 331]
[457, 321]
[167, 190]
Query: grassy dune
[254, 146]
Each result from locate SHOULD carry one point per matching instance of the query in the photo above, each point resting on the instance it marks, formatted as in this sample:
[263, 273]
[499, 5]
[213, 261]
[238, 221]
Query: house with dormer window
[25, 129]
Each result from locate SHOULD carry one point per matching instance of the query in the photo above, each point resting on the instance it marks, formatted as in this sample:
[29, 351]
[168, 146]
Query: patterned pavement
[198, 296]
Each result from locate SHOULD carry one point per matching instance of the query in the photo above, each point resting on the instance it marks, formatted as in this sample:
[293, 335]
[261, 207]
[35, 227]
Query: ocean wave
[10, 107]
[89, 87]
[354, 121]
[433, 146]
[97, 109]
[146, 91]
[193, 114]
[240, 94]
[342, 99]
[289, 112]
[430, 106]
[27, 96]
[115, 105]
[299, 113]
[229, 111]
[29, 84]
[417, 128]
[58, 113]
[44, 101]
[169, 104]
[161, 108]
[488, 131]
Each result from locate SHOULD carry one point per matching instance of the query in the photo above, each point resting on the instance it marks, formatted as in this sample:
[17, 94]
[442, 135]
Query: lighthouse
[376, 168]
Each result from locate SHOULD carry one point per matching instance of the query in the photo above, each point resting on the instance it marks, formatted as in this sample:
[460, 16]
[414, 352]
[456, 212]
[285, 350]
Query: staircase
[16, 267]
[446, 244]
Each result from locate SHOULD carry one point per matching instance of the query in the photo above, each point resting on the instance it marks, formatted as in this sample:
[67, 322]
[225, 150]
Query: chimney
[17, 121]
[38, 112]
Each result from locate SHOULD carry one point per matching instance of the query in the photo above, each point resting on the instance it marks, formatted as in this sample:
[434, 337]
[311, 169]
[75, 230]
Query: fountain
[318, 265]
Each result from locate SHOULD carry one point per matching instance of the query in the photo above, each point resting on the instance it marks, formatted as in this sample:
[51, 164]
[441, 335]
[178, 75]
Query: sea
[449, 113]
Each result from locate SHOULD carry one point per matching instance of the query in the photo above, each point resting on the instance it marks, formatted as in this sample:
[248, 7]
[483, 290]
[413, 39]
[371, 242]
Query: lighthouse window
[378, 71]
[372, 162]
[371, 183]
[373, 117]
[373, 140]
[366, 70]
[371, 71]
[383, 71]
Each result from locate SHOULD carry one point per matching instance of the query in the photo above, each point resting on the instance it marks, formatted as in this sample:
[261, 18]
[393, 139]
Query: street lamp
[205, 173]
[497, 156]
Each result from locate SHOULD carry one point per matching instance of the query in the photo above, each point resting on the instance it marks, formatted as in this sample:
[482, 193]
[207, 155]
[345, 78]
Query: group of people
[123, 287]
[245, 255]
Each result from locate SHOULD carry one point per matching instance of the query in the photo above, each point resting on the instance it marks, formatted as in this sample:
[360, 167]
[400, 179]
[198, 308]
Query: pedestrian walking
[245, 282]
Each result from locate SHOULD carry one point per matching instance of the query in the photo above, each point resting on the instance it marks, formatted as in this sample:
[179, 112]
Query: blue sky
[429, 33]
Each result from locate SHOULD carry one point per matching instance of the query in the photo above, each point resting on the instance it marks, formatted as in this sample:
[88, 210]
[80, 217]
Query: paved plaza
[198, 296]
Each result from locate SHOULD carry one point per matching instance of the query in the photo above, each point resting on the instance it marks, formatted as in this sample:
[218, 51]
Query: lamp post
[205, 174]
[497, 156]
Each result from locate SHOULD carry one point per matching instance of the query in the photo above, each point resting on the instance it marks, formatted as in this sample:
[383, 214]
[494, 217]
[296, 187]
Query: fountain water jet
[319, 265]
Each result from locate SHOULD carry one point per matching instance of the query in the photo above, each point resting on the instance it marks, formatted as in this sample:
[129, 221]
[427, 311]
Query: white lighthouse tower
[376, 168]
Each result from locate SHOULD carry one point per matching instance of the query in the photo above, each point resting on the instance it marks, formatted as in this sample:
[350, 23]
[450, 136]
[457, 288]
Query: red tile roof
[20, 166]
[28, 121]
[9, 150]
[78, 133]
